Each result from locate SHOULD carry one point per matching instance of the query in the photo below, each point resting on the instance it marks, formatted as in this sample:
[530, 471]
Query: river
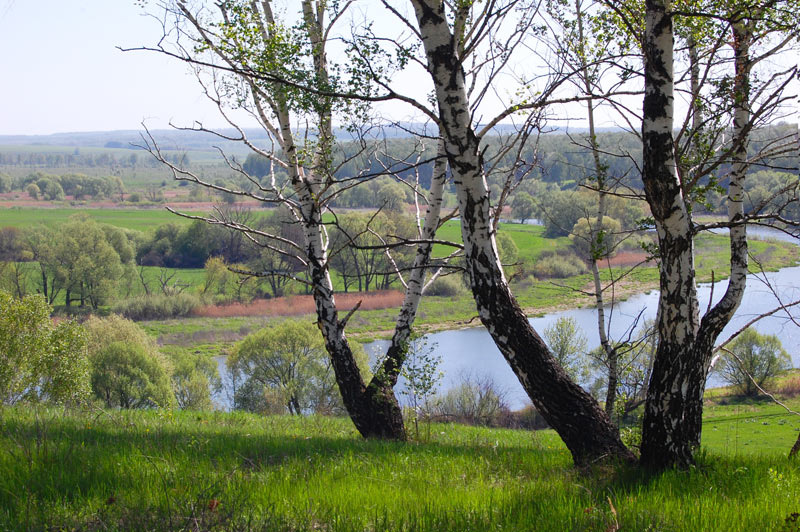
[472, 351]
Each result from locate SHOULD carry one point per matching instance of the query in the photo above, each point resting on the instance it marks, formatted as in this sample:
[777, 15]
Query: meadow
[136, 219]
[67, 469]
[435, 313]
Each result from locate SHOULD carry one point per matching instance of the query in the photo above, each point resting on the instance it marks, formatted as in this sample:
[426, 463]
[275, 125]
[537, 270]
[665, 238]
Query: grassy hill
[173, 470]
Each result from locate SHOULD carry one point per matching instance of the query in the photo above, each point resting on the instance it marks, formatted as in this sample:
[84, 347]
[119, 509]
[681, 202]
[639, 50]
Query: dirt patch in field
[300, 305]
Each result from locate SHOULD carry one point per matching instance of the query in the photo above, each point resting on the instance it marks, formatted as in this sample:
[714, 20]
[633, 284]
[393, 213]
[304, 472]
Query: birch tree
[673, 412]
[595, 55]
[281, 76]
[450, 34]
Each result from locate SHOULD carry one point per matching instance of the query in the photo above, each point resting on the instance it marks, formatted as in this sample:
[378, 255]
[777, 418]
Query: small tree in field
[523, 207]
[751, 360]
[568, 344]
[422, 375]
[40, 361]
[285, 363]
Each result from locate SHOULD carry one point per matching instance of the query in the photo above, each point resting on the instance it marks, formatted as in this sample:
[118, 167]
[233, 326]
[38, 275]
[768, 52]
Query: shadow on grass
[142, 470]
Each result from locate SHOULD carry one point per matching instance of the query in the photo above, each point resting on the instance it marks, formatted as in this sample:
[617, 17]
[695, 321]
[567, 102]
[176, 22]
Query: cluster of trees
[92, 264]
[110, 360]
[55, 187]
[280, 72]
[82, 259]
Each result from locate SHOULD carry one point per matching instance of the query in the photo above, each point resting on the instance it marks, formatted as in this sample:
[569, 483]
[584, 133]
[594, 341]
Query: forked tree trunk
[572, 412]
[674, 408]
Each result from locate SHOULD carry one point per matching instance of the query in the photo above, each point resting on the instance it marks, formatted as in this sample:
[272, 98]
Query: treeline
[560, 159]
[78, 159]
[89, 264]
[56, 187]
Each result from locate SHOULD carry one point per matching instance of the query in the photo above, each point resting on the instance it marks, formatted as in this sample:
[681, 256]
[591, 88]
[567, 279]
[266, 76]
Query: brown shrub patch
[627, 258]
[790, 387]
[299, 305]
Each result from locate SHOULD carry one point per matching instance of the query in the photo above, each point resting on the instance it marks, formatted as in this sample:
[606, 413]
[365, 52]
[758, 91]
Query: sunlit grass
[163, 470]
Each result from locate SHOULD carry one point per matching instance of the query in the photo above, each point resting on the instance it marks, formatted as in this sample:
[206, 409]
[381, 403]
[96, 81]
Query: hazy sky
[61, 70]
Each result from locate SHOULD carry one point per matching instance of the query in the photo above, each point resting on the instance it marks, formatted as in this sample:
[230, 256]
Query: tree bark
[673, 413]
[573, 413]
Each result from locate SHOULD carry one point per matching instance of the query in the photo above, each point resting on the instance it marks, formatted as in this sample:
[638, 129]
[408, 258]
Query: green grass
[529, 239]
[164, 470]
[137, 219]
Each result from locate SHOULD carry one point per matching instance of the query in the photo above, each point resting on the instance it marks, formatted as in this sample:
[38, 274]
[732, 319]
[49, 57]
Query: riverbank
[215, 333]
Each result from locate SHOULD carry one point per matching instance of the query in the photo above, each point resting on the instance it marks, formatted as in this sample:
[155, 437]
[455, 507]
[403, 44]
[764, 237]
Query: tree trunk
[573, 413]
[673, 413]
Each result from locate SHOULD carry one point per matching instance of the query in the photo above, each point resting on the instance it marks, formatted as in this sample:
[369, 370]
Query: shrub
[40, 361]
[157, 306]
[448, 286]
[589, 242]
[760, 356]
[193, 377]
[475, 401]
[527, 418]
[129, 376]
[128, 370]
[568, 345]
[559, 266]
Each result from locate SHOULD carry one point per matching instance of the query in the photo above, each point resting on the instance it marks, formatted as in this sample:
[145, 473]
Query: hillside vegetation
[180, 470]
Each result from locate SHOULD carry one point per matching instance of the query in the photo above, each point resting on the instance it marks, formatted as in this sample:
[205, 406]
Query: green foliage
[33, 191]
[219, 280]
[568, 345]
[157, 306]
[422, 377]
[128, 376]
[40, 361]
[128, 371]
[591, 242]
[507, 249]
[752, 357]
[289, 362]
[193, 378]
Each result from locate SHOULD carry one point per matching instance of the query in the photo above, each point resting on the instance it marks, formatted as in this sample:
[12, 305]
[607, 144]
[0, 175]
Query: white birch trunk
[573, 413]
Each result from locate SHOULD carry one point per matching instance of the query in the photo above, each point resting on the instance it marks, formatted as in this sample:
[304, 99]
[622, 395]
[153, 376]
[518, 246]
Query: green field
[176, 470]
[137, 219]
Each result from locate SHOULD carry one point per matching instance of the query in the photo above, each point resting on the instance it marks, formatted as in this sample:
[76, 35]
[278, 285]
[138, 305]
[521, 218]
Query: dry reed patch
[299, 305]
[627, 258]
[790, 387]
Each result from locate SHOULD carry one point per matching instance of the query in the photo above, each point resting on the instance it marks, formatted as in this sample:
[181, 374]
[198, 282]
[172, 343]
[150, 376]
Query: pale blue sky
[61, 70]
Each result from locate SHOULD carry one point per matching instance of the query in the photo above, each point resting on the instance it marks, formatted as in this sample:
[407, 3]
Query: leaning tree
[278, 72]
[458, 39]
